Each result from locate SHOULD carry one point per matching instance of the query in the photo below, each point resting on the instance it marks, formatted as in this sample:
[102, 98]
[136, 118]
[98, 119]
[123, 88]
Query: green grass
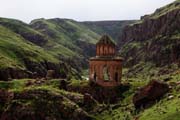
[18, 26]
[79, 83]
[165, 109]
[20, 86]
[15, 85]
[44, 98]
[13, 48]
[66, 33]
[20, 41]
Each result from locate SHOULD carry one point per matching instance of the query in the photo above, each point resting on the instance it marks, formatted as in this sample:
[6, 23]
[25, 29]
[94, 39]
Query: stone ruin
[106, 67]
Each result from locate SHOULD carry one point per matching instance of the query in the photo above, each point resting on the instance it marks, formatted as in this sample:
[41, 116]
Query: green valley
[45, 72]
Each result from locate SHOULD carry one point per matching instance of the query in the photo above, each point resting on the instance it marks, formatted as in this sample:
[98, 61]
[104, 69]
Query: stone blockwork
[106, 67]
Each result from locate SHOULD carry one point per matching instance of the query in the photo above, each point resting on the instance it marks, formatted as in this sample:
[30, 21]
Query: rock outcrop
[101, 94]
[38, 70]
[13, 73]
[155, 38]
[42, 105]
[150, 27]
[148, 95]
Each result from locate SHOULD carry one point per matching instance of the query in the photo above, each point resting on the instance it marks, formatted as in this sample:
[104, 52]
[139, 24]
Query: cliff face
[155, 38]
[112, 28]
[147, 28]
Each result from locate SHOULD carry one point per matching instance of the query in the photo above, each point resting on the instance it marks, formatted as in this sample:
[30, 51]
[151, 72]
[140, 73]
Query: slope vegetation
[26, 49]
[155, 38]
[47, 43]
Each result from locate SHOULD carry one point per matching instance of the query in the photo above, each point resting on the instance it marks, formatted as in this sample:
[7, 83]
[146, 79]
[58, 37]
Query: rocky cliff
[112, 28]
[155, 38]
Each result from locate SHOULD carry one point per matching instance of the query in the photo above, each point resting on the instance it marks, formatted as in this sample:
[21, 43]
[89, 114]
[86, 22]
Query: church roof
[105, 39]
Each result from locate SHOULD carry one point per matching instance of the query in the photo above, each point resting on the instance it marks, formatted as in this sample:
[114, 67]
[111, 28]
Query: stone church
[106, 67]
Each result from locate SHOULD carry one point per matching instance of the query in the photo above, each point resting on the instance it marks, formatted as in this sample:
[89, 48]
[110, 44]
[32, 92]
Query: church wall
[113, 66]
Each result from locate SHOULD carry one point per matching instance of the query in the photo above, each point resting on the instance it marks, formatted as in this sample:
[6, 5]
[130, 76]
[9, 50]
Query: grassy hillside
[165, 109]
[24, 30]
[41, 101]
[14, 48]
[24, 49]
[68, 33]
[29, 94]
[46, 41]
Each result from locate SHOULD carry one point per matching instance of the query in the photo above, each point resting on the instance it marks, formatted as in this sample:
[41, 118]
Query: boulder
[89, 102]
[147, 95]
[50, 74]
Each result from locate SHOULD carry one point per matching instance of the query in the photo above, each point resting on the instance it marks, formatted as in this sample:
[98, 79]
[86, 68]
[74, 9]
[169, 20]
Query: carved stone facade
[106, 67]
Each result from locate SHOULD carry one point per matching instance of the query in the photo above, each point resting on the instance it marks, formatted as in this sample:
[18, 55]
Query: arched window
[95, 76]
[105, 73]
[116, 76]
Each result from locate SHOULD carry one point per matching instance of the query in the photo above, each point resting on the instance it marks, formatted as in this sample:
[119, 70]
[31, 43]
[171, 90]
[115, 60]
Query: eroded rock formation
[148, 95]
[155, 38]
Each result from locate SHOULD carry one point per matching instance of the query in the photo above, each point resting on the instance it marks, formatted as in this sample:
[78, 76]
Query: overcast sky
[81, 10]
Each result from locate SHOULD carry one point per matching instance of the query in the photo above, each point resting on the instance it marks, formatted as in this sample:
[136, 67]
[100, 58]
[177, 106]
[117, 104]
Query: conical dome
[105, 39]
[105, 47]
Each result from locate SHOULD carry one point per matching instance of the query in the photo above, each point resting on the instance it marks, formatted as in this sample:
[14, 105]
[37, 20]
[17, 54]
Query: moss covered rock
[42, 104]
